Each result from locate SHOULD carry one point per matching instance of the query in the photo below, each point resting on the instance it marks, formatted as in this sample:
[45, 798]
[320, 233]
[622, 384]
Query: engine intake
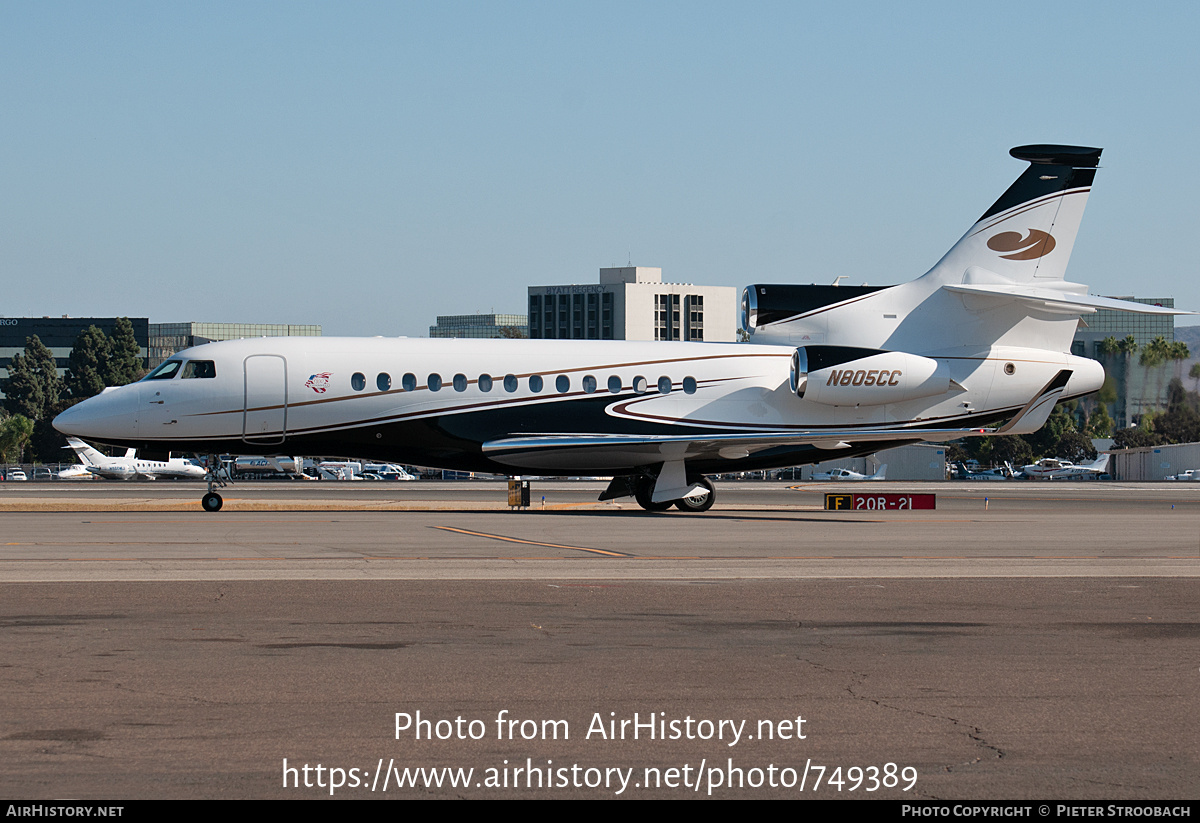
[845, 376]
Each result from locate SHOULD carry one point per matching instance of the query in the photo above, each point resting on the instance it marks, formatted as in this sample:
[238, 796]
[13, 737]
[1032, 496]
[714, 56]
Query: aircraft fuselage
[447, 403]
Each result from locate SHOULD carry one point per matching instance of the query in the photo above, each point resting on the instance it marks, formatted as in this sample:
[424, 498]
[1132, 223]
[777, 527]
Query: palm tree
[1179, 353]
[1154, 354]
[1128, 346]
[1195, 375]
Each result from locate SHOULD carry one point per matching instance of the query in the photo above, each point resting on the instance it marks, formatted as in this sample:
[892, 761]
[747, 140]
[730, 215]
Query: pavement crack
[974, 733]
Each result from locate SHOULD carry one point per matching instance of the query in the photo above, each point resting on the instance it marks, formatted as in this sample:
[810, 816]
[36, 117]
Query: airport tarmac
[1039, 644]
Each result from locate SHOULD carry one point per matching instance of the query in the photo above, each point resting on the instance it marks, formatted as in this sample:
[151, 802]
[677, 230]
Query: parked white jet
[1054, 468]
[847, 474]
[841, 371]
[130, 467]
[79, 471]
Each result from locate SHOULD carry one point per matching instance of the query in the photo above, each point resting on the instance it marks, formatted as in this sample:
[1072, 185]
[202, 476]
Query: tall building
[58, 334]
[487, 326]
[633, 303]
[167, 338]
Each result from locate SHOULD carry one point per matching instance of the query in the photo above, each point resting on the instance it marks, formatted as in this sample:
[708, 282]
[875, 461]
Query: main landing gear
[212, 501]
[698, 501]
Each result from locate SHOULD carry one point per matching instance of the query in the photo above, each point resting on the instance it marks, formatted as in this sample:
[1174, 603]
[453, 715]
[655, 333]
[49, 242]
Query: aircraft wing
[618, 451]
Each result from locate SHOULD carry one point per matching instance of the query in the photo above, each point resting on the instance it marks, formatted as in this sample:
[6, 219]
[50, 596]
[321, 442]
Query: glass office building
[167, 338]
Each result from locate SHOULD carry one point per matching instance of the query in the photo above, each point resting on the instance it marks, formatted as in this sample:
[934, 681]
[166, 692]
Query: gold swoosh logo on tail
[1037, 244]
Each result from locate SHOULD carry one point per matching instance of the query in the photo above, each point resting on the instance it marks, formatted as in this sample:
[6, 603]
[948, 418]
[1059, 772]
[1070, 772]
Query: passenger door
[264, 418]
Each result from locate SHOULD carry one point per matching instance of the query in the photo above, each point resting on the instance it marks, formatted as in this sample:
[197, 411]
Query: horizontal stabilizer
[1058, 301]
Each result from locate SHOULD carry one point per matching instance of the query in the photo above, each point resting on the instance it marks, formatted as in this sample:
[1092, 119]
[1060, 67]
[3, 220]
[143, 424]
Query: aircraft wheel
[700, 501]
[211, 502]
[645, 487]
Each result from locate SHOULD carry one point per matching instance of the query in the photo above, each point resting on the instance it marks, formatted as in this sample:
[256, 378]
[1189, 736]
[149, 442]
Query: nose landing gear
[211, 501]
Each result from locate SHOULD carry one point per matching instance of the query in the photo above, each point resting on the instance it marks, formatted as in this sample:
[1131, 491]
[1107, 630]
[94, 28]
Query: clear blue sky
[367, 166]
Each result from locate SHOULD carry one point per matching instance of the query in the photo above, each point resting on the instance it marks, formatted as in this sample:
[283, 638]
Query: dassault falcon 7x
[833, 371]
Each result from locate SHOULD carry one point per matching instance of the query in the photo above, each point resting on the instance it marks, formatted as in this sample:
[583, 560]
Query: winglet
[1037, 411]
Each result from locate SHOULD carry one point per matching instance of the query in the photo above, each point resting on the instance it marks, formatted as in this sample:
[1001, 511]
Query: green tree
[124, 360]
[1011, 449]
[1109, 347]
[1180, 423]
[1075, 447]
[1195, 375]
[88, 364]
[1044, 441]
[1177, 353]
[35, 391]
[1155, 355]
[1135, 437]
[24, 393]
[1100, 423]
[15, 432]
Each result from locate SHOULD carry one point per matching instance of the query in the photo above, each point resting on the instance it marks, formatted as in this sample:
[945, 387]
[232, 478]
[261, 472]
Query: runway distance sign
[862, 501]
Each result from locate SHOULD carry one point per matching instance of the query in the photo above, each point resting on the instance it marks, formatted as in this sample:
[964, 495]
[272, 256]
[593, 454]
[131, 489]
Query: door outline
[268, 413]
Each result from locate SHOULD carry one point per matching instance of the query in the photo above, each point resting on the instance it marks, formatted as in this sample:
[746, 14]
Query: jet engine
[764, 304]
[847, 376]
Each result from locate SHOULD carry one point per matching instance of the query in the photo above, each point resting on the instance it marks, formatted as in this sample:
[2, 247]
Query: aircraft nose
[110, 414]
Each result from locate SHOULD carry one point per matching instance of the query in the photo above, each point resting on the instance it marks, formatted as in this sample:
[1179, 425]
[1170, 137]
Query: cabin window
[358, 381]
[434, 382]
[485, 382]
[689, 385]
[614, 384]
[409, 382]
[460, 382]
[563, 384]
[383, 381]
[640, 384]
[510, 382]
[199, 368]
[589, 384]
[166, 371]
[664, 385]
[535, 383]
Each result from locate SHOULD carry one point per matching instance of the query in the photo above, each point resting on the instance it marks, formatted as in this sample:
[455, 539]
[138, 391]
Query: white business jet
[833, 371]
[130, 467]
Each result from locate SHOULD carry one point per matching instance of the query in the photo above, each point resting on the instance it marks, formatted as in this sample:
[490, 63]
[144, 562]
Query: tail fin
[879, 475]
[87, 455]
[1027, 235]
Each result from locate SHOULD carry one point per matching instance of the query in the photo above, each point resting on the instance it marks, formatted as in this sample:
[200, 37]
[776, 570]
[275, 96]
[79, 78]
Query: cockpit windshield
[166, 371]
[199, 368]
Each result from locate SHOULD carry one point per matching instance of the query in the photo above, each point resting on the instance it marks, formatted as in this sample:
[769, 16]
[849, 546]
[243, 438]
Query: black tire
[211, 502]
[645, 487]
[699, 502]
